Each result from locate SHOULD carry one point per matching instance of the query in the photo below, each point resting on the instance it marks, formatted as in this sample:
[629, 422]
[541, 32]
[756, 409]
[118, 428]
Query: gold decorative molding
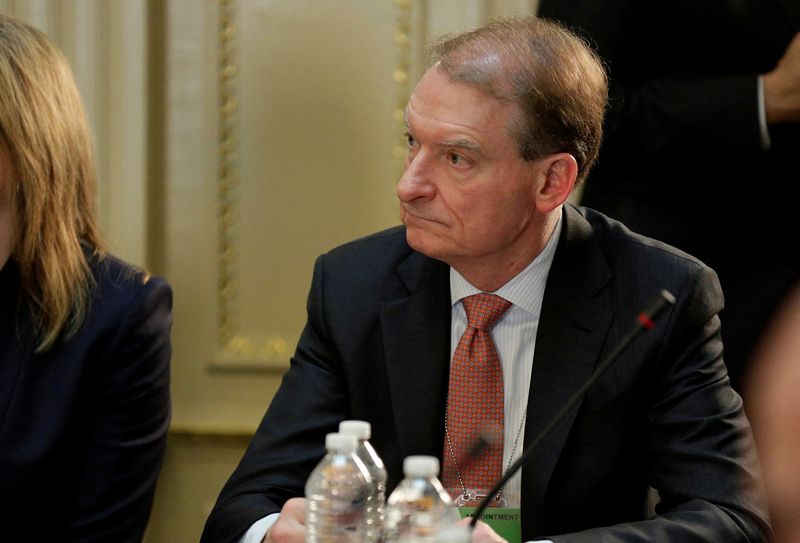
[226, 173]
[236, 352]
[401, 75]
[249, 355]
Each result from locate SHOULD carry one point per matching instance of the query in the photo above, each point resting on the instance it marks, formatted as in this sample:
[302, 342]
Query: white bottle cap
[455, 533]
[340, 443]
[421, 466]
[359, 428]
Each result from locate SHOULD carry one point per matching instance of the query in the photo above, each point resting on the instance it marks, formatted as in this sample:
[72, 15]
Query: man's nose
[415, 182]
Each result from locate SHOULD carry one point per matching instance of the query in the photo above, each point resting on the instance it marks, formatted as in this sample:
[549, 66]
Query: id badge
[506, 521]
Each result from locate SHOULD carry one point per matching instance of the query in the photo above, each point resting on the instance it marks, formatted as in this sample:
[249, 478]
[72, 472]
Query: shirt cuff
[762, 116]
[259, 529]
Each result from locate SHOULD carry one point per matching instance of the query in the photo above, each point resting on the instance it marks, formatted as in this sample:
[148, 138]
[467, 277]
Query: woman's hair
[44, 130]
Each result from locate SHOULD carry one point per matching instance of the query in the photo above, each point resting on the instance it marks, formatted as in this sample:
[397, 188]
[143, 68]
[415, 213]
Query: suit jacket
[682, 157]
[83, 426]
[376, 347]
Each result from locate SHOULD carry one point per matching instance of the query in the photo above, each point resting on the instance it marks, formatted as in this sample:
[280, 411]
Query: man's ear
[559, 172]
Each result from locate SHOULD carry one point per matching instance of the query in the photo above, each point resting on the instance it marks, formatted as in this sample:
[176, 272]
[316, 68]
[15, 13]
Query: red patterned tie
[475, 399]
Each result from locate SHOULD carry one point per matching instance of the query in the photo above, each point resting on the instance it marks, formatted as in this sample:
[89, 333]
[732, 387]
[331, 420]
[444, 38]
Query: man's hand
[482, 533]
[782, 86]
[291, 524]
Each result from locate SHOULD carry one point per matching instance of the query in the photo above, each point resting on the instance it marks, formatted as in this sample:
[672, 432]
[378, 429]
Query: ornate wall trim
[226, 173]
[402, 74]
[236, 351]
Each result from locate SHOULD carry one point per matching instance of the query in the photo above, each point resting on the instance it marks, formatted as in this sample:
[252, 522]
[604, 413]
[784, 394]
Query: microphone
[644, 321]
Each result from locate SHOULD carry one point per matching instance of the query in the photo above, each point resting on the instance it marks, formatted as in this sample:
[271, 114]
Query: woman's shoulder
[117, 283]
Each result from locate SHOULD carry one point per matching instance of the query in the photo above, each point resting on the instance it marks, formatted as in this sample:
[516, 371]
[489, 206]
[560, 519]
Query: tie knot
[483, 310]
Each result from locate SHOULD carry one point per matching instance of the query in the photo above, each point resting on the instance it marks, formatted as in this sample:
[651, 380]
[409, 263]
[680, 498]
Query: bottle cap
[341, 443]
[454, 533]
[421, 466]
[359, 428]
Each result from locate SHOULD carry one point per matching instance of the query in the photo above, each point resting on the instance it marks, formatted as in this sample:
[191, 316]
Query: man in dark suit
[500, 128]
[704, 117]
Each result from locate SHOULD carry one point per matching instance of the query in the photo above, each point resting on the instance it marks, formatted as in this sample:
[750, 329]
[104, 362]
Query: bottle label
[506, 521]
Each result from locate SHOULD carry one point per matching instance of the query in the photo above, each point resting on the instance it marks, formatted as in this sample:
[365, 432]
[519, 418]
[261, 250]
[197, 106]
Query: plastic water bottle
[336, 494]
[419, 507]
[377, 496]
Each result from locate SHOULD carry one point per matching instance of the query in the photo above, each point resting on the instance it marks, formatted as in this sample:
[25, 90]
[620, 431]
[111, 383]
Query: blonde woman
[84, 337]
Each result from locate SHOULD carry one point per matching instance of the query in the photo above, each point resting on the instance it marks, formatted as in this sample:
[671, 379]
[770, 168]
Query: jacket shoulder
[380, 245]
[120, 286]
[610, 258]
[622, 245]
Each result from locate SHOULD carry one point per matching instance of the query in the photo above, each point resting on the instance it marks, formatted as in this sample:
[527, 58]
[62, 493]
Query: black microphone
[644, 321]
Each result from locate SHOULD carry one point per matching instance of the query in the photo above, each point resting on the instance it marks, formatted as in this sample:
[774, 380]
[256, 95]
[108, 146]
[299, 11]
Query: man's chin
[423, 242]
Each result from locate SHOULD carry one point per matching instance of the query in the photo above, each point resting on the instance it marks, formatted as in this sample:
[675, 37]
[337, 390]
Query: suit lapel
[416, 339]
[571, 331]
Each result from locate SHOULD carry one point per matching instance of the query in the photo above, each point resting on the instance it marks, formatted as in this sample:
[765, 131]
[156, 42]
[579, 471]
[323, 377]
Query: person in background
[491, 306]
[84, 337]
[775, 412]
[701, 140]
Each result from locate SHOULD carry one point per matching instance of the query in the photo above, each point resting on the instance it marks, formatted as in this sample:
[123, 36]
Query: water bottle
[419, 507]
[336, 494]
[376, 498]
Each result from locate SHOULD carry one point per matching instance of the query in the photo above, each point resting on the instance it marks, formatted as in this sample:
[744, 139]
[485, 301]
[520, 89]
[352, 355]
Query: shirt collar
[526, 289]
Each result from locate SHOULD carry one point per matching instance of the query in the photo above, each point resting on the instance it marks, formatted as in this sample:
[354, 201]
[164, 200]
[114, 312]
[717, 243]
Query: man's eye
[410, 139]
[455, 159]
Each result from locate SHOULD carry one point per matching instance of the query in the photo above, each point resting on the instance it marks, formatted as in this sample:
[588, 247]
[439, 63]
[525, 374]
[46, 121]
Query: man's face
[466, 197]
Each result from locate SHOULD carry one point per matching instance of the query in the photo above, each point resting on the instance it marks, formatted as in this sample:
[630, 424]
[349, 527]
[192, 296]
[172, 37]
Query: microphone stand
[644, 321]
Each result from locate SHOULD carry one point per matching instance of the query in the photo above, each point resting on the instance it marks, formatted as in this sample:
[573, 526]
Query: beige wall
[237, 140]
